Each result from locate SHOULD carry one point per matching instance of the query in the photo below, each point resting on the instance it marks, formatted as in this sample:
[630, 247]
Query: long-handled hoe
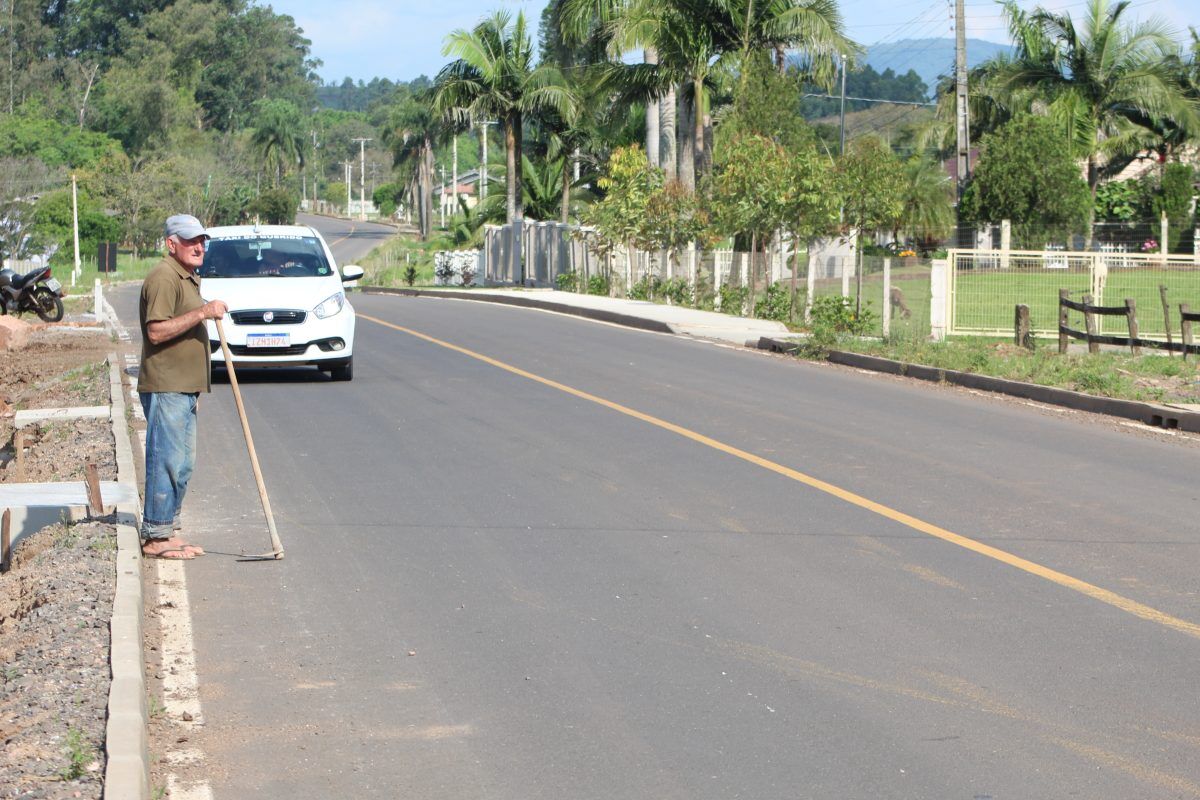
[276, 546]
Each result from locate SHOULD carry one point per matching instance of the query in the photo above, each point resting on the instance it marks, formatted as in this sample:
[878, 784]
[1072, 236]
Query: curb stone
[1152, 414]
[126, 738]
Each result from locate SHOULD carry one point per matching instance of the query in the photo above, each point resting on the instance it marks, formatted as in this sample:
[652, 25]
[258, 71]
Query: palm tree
[279, 136]
[687, 57]
[412, 133]
[697, 40]
[495, 78]
[1106, 81]
[928, 197]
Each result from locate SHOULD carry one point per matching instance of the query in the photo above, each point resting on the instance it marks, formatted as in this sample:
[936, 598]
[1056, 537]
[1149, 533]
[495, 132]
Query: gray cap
[183, 226]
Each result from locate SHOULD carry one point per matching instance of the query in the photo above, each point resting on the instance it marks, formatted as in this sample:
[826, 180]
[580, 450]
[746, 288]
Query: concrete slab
[64, 493]
[36, 505]
[31, 416]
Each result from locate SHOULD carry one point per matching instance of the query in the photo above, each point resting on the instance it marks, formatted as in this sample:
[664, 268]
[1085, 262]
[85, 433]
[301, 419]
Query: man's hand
[166, 330]
[214, 309]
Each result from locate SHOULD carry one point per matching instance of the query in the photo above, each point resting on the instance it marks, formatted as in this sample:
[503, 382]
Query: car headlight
[330, 305]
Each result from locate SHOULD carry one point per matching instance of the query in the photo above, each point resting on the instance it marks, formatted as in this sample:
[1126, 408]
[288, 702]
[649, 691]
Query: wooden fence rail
[1128, 310]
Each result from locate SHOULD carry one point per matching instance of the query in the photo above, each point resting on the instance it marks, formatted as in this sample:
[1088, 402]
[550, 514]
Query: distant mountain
[929, 58]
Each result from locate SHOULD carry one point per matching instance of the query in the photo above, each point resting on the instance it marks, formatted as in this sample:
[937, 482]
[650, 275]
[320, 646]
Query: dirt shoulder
[56, 600]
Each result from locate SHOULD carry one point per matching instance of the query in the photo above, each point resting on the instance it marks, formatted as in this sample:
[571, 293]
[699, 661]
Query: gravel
[55, 607]
[56, 601]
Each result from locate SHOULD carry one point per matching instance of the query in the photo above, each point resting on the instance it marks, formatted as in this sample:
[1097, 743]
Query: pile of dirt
[61, 368]
[55, 607]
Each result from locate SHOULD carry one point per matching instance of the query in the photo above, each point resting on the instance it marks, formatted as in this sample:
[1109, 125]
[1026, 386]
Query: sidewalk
[633, 313]
[774, 336]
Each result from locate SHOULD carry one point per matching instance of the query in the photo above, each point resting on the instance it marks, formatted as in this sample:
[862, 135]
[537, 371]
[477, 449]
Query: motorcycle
[34, 291]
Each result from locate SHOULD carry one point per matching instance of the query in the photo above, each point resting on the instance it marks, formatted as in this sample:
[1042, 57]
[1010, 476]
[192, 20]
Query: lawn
[986, 299]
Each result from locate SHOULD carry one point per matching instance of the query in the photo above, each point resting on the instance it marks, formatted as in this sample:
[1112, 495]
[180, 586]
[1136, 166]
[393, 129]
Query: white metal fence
[985, 286]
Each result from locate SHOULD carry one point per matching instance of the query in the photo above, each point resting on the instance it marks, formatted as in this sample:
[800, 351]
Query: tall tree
[495, 77]
[412, 134]
[1027, 174]
[1104, 81]
[871, 179]
[280, 136]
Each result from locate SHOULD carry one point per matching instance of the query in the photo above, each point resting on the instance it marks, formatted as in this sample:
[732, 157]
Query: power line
[867, 99]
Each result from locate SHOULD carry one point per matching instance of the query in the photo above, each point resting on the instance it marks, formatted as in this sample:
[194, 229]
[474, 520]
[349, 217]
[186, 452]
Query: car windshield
[264, 256]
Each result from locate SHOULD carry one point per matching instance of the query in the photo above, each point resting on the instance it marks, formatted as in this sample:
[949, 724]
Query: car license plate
[268, 339]
[54, 285]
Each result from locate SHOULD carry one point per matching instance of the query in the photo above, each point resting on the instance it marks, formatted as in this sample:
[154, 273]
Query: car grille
[281, 317]
[243, 350]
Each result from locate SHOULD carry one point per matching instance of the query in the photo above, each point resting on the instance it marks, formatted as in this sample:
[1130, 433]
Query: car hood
[304, 294]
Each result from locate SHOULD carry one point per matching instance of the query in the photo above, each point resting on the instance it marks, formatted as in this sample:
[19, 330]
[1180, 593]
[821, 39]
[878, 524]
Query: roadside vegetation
[1153, 377]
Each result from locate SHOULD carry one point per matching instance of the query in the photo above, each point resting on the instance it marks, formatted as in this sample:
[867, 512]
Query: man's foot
[173, 548]
[194, 549]
[161, 548]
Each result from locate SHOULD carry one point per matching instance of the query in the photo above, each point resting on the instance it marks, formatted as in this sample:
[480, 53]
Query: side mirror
[351, 272]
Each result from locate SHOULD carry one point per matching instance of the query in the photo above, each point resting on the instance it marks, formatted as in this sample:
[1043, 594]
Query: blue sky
[401, 39]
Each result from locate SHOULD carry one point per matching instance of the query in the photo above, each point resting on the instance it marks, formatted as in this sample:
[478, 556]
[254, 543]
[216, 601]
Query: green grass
[1152, 378]
[128, 269]
[79, 755]
[386, 264]
[986, 299]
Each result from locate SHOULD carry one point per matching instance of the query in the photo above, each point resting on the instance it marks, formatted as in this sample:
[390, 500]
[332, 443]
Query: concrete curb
[627, 320]
[1149, 413]
[126, 739]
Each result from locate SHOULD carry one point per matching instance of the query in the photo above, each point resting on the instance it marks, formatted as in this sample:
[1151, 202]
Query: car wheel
[344, 372]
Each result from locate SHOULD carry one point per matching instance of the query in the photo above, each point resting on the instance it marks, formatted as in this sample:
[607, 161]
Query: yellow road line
[344, 238]
[1083, 587]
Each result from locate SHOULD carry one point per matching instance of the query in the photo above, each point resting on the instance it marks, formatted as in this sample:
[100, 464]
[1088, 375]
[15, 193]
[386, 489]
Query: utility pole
[362, 172]
[454, 178]
[960, 107]
[75, 225]
[349, 178]
[842, 150]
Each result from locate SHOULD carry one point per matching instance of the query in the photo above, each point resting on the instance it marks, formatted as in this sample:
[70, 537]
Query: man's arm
[168, 329]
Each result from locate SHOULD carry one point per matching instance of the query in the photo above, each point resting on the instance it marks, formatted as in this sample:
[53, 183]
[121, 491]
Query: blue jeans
[170, 458]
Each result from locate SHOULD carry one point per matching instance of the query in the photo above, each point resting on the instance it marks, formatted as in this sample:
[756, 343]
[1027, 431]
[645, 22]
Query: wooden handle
[276, 545]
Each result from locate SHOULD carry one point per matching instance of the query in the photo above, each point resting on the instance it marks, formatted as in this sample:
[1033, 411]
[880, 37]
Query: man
[175, 370]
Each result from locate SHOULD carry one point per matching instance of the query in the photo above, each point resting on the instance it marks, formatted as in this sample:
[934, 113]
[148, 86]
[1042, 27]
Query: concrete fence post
[98, 302]
[1005, 242]
[939, 291]
[691, 251]
[810, 284]
[887, 296]
[717, 280]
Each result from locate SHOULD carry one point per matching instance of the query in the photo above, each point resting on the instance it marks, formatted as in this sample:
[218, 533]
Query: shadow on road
[273, 375]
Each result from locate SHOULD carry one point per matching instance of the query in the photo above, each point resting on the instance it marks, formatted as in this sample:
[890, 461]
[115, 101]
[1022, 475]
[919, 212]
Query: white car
[287, 304]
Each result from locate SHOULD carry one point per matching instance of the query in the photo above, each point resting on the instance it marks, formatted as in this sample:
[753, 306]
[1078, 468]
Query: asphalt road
[612, 564]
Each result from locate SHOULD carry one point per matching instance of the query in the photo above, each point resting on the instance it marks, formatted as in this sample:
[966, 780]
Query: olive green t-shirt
[181, 364]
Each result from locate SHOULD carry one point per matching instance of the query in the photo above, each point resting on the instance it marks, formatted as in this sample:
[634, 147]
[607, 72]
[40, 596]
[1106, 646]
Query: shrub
[775, 303]
[599, 284]
[833, 317]
[645, 289]
[678, 291]
[567, 282]
[274, 207]
[733, 299]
